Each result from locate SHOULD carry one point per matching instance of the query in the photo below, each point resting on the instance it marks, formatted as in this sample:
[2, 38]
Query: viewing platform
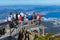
[29, 25]
[16, 29]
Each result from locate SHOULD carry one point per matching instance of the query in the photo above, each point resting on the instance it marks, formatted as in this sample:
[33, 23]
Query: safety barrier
[22, 24]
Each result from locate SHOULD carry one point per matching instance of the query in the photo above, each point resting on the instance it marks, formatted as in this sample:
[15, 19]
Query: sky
[29, 2]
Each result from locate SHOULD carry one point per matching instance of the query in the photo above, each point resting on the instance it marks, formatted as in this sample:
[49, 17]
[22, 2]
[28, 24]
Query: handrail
[23, 26]
[20, 26]
[4, 23]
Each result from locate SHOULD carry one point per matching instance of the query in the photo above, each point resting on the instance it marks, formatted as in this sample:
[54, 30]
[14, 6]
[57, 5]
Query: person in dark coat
[10, 19]
[17, 18]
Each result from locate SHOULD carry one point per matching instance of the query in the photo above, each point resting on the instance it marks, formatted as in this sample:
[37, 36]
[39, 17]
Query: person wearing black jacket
[16, 18]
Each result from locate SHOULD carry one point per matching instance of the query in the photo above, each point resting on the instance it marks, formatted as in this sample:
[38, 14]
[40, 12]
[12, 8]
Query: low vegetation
[46, 37]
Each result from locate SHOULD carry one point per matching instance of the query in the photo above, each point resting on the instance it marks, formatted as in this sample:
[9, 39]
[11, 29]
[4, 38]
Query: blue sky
[30, 2]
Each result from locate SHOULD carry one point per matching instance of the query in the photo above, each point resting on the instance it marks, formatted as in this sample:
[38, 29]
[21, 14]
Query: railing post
[10, 31]
[43, 30]
[21, 25]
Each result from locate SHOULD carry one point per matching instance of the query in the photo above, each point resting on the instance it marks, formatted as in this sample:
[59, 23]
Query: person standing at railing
[22, 14]
[25, 18]
[16, 18]
[20, 19]
[34, 16]
[10, 18]
[29, 18]
[39, 17]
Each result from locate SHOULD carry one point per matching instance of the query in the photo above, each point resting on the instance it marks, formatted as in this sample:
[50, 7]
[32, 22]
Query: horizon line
[29, 4]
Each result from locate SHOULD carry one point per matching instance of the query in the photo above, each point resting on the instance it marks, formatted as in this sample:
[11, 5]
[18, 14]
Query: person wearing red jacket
[39, 17]
[20, 18]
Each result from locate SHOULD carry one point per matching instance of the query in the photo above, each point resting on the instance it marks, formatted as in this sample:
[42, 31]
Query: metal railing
[16, 29]
[21, 25]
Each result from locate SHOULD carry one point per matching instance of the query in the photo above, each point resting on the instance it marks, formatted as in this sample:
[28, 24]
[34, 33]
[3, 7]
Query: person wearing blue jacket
[29, 17]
